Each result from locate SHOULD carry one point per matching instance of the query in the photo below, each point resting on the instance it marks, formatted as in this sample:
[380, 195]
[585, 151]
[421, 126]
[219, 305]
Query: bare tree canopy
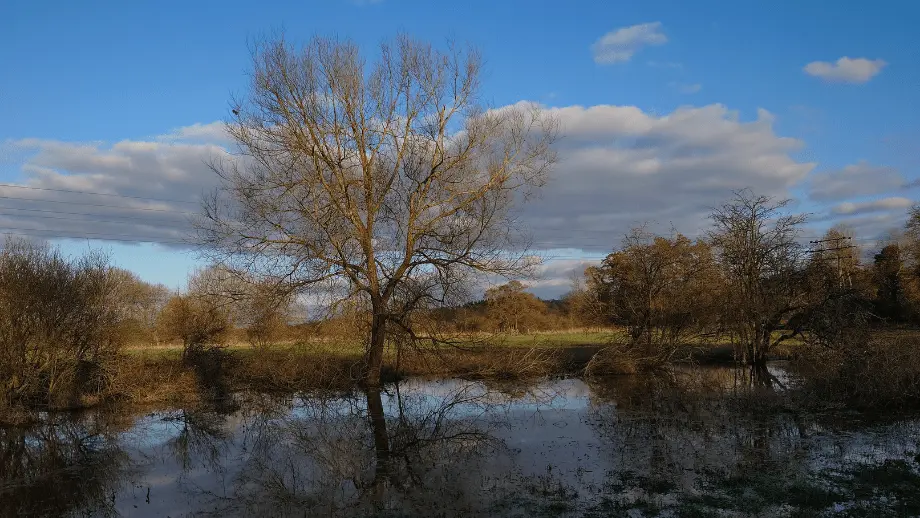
[389, 181]
[762, 259]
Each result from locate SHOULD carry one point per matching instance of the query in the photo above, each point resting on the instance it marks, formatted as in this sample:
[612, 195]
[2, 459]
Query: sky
[665, 107]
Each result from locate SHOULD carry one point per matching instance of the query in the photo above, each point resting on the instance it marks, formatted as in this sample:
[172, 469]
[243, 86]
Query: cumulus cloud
[619, 166]
[619, 46]
[134, 191]
[213, 132]
[885, 204]
[846, 69]
[686, 88]
[874, 228]
[665, 64]
[555, 276]
[860, 179]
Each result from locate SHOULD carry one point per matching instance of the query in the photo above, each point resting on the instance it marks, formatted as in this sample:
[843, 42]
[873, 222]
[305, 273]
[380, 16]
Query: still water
[692, 442]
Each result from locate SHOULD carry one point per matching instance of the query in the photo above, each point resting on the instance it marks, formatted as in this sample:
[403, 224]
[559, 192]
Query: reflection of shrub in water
[660, 433]
[210, 365]
[201, 435]
[881, 372]
[689, 448]
[58, 468]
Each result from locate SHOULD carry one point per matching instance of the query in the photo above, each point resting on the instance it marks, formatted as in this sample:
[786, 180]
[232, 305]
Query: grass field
[157, 374]
[718, 351]
[548, 340]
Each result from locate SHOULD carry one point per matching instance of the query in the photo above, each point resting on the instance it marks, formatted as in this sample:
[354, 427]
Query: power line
[14, 186]
[818, 250]
[837, 246]
[135, 221]
[831, 239]
[154, 241]
[96, 205]
[569, 231]
[90, 217]
[85, 234]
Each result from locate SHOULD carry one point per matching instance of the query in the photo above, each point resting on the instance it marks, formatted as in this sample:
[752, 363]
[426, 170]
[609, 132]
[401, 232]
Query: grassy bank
[157, 373]
[148, 374]
[153, 374]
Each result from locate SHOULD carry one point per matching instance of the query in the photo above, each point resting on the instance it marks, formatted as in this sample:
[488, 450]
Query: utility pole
[835, 247]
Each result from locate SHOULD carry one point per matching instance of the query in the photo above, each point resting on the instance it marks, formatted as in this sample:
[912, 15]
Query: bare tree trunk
[758, 346]
[375, 350]
[763, 347]
[381, 442]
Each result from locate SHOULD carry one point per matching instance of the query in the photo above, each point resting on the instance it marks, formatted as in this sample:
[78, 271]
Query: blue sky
[96, 73]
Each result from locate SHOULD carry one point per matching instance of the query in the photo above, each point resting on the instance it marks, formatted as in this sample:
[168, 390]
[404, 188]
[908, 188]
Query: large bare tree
[387, 181]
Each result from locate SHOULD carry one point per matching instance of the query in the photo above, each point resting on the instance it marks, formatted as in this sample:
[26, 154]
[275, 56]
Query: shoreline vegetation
[159, 375]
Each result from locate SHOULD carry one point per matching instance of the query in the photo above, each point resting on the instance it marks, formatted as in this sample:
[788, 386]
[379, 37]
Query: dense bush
[59, 324]
[195, 320]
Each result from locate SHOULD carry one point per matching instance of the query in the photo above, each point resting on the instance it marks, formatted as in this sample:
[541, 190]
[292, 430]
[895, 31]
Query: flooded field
[692, 442]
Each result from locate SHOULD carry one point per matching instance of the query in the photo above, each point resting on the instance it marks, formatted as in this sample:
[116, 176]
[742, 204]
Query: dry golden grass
[148, 374]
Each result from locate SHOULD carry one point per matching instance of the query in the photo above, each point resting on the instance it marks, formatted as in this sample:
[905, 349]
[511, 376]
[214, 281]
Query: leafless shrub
[265, 313]
[663, 290]
[616, 358]
[140, 305]
[59, 322]
[194, 321]
[511, 309]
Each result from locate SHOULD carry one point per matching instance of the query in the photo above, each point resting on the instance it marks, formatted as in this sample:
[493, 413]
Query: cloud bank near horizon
[619, 167]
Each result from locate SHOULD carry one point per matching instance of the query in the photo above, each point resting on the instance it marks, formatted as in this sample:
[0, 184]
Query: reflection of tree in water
[671, 428]
[60, 467]
[714, 440]
[200, 436]
[373, 453]
[687, 442]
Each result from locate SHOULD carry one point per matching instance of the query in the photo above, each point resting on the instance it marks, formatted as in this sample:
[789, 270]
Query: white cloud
[686, 88]
[875, 227]
[555, 276]
[620, 166]
[860, 179]
[665, 64]
[618, 46]
[147, 191]
[882, 205]
[846, 69]
[212, 132]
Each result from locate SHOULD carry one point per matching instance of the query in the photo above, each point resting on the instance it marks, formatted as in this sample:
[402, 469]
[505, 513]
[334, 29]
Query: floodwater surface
[692, 442]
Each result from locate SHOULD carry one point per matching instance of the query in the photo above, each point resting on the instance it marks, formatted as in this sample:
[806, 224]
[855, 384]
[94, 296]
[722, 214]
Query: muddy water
[694, 442]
